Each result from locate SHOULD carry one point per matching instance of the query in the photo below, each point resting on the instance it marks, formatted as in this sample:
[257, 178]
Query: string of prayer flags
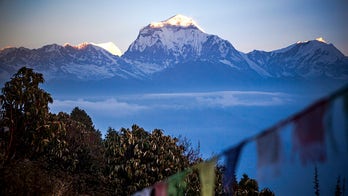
[231, 162]
[268, 148]
[309, 134]
[177, 184]
[207, 177]
[308, 140]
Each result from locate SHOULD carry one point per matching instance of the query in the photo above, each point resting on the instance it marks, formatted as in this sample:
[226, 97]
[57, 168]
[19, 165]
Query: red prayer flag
[309, 134]
[160, 189]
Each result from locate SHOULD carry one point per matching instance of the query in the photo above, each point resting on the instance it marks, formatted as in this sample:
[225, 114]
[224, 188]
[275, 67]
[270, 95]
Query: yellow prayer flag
[207, 177]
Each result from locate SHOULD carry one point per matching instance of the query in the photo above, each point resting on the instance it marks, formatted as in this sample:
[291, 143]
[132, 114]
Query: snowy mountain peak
[175, 37]
[320, 39]
[79, 46]
[176, 40]
[177, 20]
[6, 48]
[110, 47]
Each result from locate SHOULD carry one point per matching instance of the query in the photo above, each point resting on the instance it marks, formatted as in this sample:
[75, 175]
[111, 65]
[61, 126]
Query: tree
[90, 138]
[250, 187]
[193, 154]
[316, 181]
[24, 110]
[247, 186]
[136, 159]
[344, 186]
[82, 155]
[266, 192]
[31, 135]
[338, 191]
[80, 115]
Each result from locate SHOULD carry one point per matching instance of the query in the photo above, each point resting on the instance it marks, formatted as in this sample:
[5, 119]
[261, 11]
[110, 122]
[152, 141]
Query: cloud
[222, 98]
[133, 104]
[103, 107]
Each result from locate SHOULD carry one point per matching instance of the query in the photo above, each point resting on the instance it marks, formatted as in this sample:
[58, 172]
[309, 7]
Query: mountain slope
[308, 59]
[110, 47]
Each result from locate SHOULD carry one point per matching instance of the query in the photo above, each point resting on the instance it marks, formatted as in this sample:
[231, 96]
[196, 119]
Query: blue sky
[264, 25]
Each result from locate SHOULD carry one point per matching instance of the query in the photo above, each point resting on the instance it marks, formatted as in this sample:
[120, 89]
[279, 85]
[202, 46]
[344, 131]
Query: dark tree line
[42, 153]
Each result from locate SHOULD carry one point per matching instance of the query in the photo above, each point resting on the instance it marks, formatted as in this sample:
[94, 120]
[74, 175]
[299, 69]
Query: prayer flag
[177, 184]
[160, 189]
[144, 192]
[309, 135]
[231, 162]
[268, 148]
[207, 177]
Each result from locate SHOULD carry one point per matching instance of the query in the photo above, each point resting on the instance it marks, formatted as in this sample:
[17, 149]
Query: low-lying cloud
[223, 98]
[127, 105]
[107, 106]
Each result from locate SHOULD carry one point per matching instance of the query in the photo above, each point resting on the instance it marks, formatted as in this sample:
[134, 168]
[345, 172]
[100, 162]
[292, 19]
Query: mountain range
[174, 51]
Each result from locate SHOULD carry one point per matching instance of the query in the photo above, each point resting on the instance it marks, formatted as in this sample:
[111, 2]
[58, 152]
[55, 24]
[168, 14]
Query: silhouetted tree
[344, 186]
[80, 115]
[266, 192]
[247, 186]
[338, 191]
[24, 111]
[316, 182]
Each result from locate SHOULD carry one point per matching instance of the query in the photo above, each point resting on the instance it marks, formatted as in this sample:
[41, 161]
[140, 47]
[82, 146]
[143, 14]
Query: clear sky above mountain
[248, 25]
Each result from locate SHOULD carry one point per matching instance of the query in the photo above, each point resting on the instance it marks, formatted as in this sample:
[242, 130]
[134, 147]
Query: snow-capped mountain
[307, 59]
[83, 61]
[177, 49]
[177, 40]
[110, 47]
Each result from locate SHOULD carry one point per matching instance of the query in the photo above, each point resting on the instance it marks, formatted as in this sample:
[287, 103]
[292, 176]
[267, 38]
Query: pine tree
[316, 182]
[344, 186]
[338, 191]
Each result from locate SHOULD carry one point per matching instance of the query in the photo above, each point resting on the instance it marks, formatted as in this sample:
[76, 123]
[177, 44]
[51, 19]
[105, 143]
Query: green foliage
[136, 159]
